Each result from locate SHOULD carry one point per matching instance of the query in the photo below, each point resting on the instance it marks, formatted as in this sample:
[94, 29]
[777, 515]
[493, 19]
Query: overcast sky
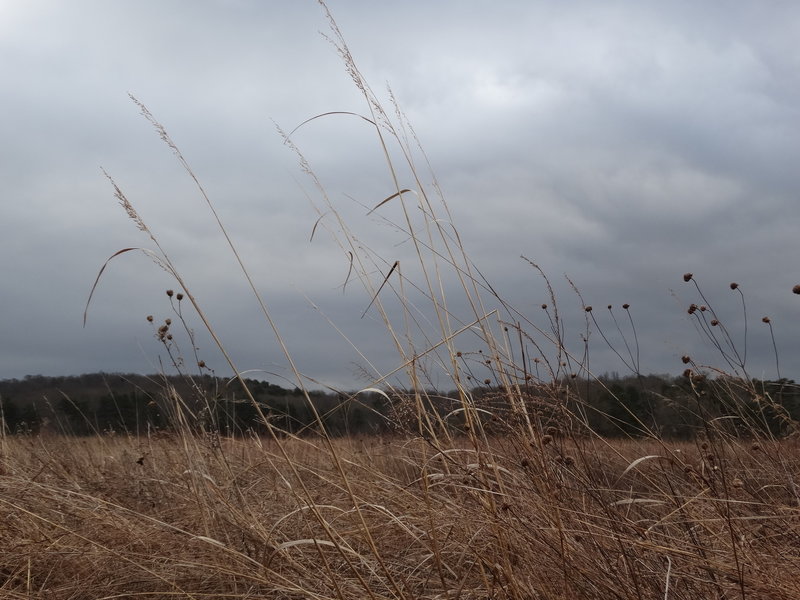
[619, 143]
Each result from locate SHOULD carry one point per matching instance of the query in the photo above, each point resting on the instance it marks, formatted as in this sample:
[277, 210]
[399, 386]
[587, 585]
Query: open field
[536, 478]
[512, 517]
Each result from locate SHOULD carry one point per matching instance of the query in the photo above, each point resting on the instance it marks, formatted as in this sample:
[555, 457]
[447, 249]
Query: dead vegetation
[501, 506]
[200, 517]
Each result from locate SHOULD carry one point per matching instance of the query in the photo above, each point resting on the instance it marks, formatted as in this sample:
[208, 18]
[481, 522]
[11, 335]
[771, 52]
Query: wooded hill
[670, 407]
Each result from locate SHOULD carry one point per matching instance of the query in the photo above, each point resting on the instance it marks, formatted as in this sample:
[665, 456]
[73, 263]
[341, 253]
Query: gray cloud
[620, 143]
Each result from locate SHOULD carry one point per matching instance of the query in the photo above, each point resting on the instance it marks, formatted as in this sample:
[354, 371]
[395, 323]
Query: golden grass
[203, 517]
[505, 508]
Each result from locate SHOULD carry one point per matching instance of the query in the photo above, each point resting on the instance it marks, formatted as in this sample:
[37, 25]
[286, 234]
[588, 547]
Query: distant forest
[670, 407]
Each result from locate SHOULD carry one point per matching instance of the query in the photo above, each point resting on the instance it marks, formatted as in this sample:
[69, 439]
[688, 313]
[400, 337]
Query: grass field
[203, 517]
[508, 505]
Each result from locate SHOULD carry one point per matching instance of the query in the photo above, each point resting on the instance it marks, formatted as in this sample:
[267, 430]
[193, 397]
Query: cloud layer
[621, 144]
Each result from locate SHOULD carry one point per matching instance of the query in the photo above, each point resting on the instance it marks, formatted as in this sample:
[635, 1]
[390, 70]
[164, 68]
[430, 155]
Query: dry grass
[505, 508]
[203, 517]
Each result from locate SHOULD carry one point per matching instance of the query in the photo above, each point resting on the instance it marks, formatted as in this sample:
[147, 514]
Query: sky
[618, 144]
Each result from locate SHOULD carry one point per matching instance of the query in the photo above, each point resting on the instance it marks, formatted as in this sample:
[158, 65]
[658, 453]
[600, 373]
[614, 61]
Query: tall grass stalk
[506, 490]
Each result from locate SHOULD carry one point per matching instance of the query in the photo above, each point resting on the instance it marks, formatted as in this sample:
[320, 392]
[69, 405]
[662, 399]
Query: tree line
[610, 406]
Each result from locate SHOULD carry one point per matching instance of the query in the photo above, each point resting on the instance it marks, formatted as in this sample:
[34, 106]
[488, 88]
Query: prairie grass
[169, 516]
[504, 504]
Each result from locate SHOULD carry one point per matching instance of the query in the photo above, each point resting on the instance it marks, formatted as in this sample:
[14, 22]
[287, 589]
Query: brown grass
[502, 507]
[204, 517]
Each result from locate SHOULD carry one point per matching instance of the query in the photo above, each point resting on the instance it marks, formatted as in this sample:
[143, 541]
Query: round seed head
[626, 306]
[179, 296]
[588, 308]
[687, 277]
[170, 293]
[765, 319]
[150, 318]
[796, 289]
[714, 322]
[544, 306]
[686, 359]
[734, 285]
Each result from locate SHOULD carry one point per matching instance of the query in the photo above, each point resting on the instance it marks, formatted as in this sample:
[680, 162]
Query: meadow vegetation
[537, 479]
